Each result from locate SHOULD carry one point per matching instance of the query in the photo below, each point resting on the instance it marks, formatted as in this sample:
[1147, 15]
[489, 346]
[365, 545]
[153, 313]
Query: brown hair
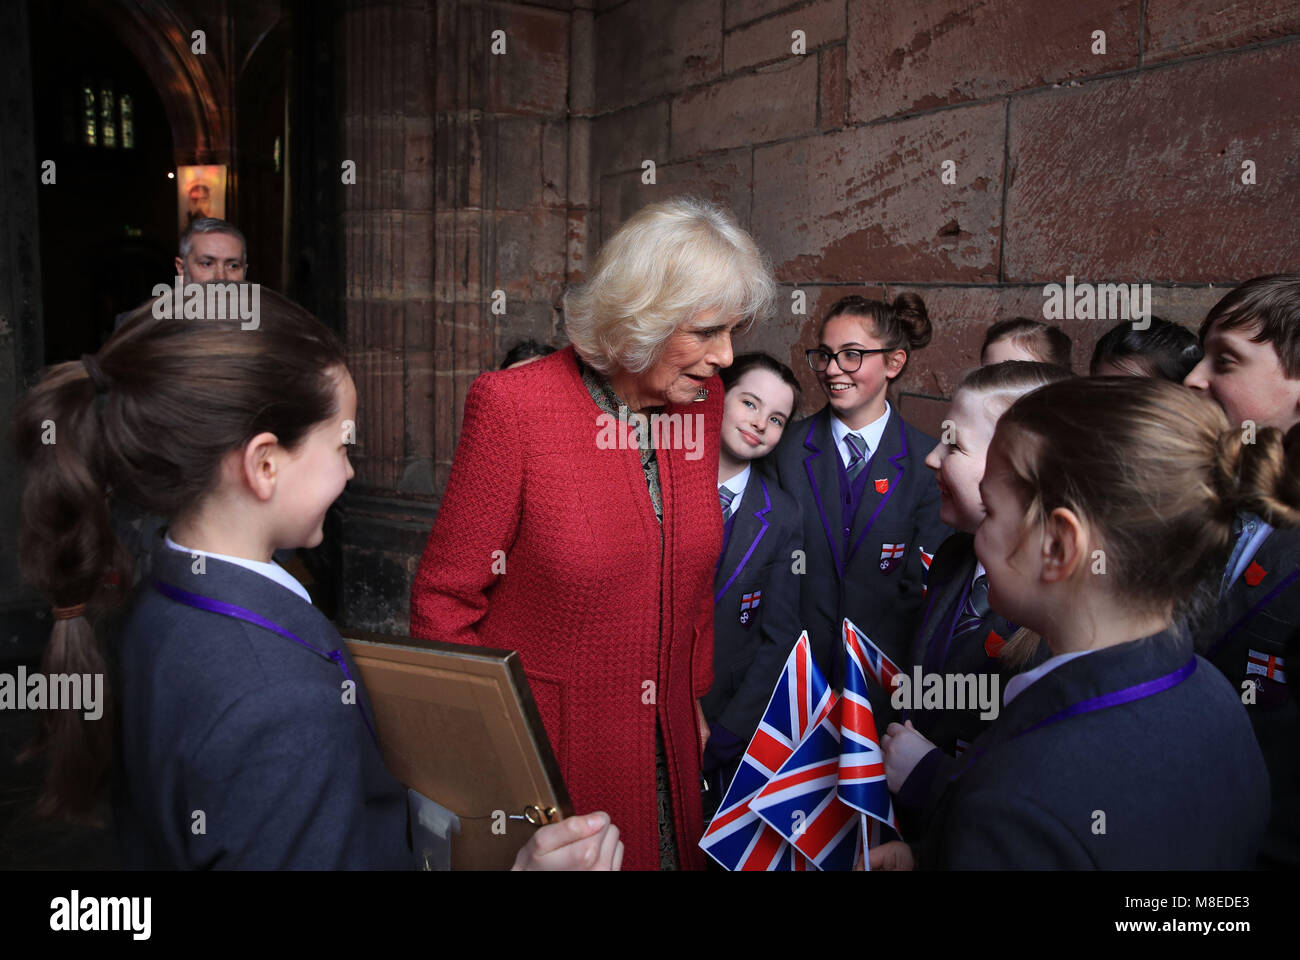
[1048, 343]
[147, 421]
[902, 325]
[1159, 472]
[1272, 302]
[746, 362]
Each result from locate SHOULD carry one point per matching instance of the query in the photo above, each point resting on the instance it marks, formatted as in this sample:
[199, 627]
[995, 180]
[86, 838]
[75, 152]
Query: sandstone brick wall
[480, 172]
[1116, 167]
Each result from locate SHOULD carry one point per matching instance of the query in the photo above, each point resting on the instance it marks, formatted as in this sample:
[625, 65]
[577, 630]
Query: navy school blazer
[236, 749]
[751, 643]
[1172, 781]
[899, 507]
[1258, 621]
[975, 652]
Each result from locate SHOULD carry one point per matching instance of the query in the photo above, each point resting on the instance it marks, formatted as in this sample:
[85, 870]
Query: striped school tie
[857, 455]
[726, 495]
[977, 605]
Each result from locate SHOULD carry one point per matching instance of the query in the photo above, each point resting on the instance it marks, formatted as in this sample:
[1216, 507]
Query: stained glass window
[126, 112]
[88, 116]
[107, 123]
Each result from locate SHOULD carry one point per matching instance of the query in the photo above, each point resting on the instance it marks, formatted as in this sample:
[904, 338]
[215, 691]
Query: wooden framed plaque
[459, 725]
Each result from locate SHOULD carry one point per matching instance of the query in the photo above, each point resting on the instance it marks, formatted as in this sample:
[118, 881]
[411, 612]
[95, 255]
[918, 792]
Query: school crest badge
[749, 607]
[882, 486]
[891, 554]
[1269, 675]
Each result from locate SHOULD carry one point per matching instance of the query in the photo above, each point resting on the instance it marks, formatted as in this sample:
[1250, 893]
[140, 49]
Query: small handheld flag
[862, 763]
[802, 803]
[874, 662]
[926, 560]
[738, 838]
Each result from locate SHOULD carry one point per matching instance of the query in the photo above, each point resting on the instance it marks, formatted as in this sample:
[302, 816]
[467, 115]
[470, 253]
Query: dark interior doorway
[263, 155]
[98, 117]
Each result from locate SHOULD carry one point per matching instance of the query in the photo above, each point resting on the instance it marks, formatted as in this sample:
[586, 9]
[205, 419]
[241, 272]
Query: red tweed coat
[580, 598]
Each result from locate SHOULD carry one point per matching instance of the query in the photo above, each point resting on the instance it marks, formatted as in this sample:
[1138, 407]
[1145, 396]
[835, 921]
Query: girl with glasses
[870, 507]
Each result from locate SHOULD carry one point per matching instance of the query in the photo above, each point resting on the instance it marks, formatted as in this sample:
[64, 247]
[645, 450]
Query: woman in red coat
[581, 522]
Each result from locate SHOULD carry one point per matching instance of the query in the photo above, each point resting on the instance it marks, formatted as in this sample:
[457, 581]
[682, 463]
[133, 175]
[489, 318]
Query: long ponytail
[68, 550]
[144, 423]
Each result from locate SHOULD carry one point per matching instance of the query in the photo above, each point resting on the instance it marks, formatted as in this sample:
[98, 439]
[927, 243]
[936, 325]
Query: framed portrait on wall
[200, 192]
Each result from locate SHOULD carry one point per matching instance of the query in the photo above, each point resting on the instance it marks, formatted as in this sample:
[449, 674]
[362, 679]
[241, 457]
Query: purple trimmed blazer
[755, 605]
[876, 580]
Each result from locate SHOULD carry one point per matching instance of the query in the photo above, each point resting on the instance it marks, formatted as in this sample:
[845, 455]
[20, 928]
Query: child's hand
[575, 843]
[894, 855]
[703, 726]
[903, 748]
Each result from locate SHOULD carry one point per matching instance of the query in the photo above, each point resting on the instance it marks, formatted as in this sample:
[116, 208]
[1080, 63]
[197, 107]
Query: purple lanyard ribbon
[1118, 697]
[200, 602]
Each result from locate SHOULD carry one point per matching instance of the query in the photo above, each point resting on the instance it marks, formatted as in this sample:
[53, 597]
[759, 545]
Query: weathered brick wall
[1117, 167]
[458, 117]
[479, 172]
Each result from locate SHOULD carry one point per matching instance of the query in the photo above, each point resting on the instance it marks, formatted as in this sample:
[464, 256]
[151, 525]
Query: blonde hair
[1000, 385]
[669, 263]
[1159, 472]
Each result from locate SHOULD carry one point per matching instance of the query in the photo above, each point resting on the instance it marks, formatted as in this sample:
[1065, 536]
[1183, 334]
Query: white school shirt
[1256, 531]
[272, 571]
[737, 485]
[871, 434]
[1017, 684]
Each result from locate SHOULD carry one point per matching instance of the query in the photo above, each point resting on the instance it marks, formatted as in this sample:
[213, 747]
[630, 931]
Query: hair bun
[1269, 473]
[915, 319]
[1226, 478]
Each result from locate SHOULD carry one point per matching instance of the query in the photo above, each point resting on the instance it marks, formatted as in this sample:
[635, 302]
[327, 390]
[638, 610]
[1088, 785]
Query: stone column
[24, 621]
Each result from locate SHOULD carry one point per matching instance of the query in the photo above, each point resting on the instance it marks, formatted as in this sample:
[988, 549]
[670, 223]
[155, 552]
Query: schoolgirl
[1108, 511]
[870, 508]
[755, 586]
[960, 632]
[244, 736]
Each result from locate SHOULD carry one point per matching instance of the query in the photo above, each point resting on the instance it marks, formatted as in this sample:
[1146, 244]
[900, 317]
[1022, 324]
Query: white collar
[1017, 684]
[737, 484]
[871, 433]
[272, 571]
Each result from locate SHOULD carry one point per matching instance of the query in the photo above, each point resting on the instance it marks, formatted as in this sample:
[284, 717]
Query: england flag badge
[748, 607]
[890, 555]
[1268, 673]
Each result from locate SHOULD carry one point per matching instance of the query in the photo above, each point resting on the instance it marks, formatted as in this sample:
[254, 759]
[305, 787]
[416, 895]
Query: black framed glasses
[847, 360]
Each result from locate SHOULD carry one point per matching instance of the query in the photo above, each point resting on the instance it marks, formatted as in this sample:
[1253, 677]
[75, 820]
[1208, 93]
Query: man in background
[212, 250]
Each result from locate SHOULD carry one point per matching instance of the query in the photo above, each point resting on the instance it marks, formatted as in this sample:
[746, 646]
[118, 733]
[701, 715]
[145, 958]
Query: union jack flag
[874, 662]
[926, 560]
[829, 796]
[802, 802]
[1266, 665]
[862, 763]
[738, 838]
